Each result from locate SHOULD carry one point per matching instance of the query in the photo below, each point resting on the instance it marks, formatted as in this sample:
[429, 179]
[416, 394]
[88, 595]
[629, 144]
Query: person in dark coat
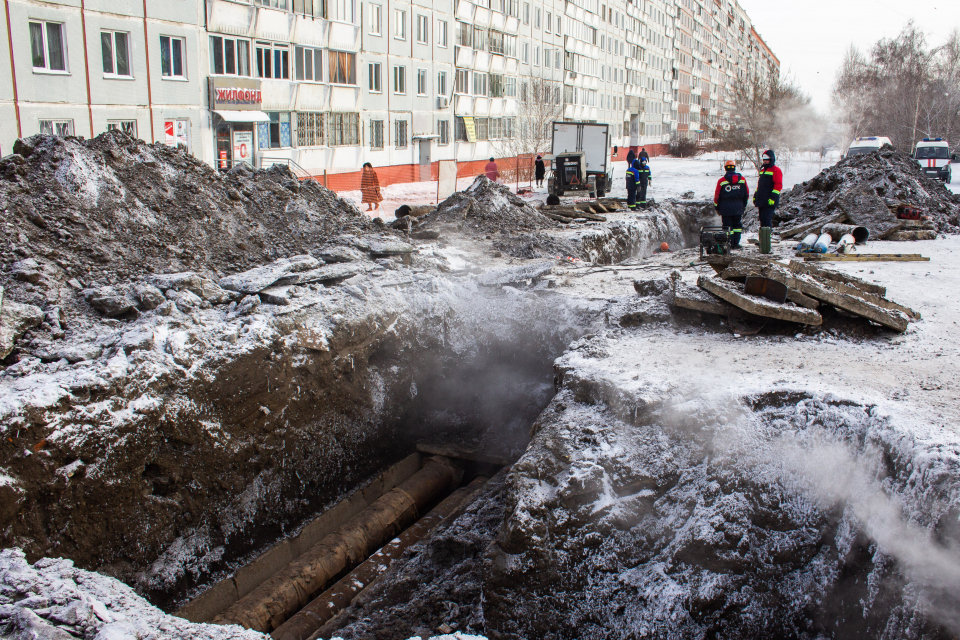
[644, 154]
[643, 179]
[539, 170]
[633, 176]
[767, 195]
[631, 156]
[730, 200]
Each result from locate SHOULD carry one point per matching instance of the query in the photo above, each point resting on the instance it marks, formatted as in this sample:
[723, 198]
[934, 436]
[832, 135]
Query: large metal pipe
[837, 231]
[308, 621]
[290, 589]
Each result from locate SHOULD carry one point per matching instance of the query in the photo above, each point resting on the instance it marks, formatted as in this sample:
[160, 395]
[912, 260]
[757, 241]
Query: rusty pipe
[306, 622]
[293, 587]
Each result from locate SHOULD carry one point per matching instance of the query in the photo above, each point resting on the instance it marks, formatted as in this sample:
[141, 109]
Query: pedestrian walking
[631, 156]
[767, 196]
[643, 179]
[491, 170]
[632, 177]
[370, 187]
[539, 170]
[730, 200]
[644, 154]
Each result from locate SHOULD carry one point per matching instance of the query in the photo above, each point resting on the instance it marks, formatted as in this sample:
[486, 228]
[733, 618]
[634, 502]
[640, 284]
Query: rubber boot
[765, 240]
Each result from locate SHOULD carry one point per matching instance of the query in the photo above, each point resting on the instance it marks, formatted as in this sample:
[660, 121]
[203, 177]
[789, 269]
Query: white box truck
[581, 159]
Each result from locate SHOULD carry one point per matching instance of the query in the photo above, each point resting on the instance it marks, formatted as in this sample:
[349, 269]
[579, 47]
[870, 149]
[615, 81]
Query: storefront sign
[243, 147]
[471, 128]
[234, 94]
[177, 132]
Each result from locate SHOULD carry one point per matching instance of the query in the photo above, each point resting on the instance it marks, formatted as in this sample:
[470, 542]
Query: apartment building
[327, 85]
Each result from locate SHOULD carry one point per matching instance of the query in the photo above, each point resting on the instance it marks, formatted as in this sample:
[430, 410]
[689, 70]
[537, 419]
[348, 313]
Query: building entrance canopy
[243, 116]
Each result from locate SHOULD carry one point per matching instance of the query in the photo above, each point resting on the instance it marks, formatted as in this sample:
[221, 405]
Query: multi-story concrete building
[330, 84]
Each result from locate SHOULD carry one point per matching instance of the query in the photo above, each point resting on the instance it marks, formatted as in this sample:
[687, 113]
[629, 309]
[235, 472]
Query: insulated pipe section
[837, 231]
[309, 620]
[289, 590]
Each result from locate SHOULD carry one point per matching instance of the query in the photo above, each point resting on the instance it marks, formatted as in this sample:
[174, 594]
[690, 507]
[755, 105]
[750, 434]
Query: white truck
[581, 159]
[934, 157]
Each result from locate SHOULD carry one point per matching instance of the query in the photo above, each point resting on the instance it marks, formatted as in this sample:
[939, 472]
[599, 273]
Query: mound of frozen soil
[892, 176]
[489, 207]
[116, 207]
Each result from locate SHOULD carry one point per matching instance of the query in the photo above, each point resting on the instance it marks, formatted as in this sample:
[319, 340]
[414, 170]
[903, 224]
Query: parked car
[861, 146]
[934, 157]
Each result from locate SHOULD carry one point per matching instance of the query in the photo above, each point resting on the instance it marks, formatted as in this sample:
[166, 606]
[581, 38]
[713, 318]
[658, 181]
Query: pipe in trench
[289, 590]
[307, 623]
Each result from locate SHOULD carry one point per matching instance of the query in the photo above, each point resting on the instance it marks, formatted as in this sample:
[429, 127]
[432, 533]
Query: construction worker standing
[633, 176]
[730, 201]
[767, 196]
[643, 179]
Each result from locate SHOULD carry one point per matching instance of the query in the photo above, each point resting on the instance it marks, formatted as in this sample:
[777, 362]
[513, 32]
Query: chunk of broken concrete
[15, 320]
[27, 270]
[329, 273]
[283, 271]
[339, 254]
[148, 296]
[732, 292]
[378, 248]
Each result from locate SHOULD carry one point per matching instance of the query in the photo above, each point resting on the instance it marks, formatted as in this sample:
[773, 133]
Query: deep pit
[654, 485]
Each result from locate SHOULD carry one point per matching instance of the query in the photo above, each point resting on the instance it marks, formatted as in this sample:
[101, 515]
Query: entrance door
[425, 161]
[224, 147]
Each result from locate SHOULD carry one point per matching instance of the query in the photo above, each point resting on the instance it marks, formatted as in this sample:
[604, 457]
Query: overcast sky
[810, 37]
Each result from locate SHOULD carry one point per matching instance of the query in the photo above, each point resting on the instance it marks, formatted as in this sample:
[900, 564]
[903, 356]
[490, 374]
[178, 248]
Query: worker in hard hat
[730, 200]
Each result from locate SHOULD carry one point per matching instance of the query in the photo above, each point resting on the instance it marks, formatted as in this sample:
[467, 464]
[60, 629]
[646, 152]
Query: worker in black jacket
[730, 200]
[643, 179]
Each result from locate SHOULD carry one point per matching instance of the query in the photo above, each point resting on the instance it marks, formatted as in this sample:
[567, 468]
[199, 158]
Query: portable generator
[714, 241]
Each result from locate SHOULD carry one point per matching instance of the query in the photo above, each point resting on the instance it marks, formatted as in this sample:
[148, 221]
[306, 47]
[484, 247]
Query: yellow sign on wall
[471, 128]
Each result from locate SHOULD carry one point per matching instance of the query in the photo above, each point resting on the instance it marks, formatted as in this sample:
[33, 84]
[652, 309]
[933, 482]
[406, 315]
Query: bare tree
[903, 90]
[770, 112]
[539, 105]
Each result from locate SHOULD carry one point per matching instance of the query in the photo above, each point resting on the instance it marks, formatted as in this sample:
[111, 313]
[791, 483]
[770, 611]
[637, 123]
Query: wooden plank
[866, 257]
[733, 293]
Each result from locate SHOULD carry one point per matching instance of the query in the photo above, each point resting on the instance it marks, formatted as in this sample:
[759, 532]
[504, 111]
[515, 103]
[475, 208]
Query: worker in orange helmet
[730, 200]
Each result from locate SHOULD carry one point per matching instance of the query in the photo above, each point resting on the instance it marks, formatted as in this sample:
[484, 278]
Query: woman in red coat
[370, 187]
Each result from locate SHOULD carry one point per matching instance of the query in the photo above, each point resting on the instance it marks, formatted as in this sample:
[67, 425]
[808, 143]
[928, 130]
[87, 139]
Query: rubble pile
[116, 207]
[862, 190]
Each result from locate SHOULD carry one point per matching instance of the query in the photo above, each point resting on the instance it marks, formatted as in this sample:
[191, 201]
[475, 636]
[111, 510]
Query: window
[441, 83]
[479, 83]
[460, 129]
[343, 10]
[400, 24]
[47, 47]
[127, 126]
[315, 8]
[462, 81]
[442, 33]
[496, 85]
[399, 79]
[376, 134]
[309, 64]
[480, 124]
[549, 22]
[373, 74]
[443, 130]
[558, 25]
[273, 61]
[343, 67]
[115, 46]
[510, 87]
[376, 20]
[546, 58]
[229, 56]
[273, 4]
[525, 53]
[556, 58]
[309, 129]
[60, 128]
[171, 57]
[536, 17]
[343, 129]
[400, 134]
[275, 133]
[421, 82]
[479, 39]
[510, 46]
[496, 42]
[422, 27]
[464, 34]
[536, 56]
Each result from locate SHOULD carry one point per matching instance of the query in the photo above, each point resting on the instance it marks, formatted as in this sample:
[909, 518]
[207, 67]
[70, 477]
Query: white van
[933, 155]
[861, 146]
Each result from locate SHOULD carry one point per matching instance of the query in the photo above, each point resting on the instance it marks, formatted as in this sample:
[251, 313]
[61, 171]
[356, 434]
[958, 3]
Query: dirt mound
[116, 207]
[892, 176]
[488, 207]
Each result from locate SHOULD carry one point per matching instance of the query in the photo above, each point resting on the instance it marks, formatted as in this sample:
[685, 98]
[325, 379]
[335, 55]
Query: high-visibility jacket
[643, 174]
[769, 186]
[633, 177]
[731, 195]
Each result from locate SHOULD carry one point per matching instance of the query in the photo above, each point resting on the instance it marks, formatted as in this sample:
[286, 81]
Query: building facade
[326, 85]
